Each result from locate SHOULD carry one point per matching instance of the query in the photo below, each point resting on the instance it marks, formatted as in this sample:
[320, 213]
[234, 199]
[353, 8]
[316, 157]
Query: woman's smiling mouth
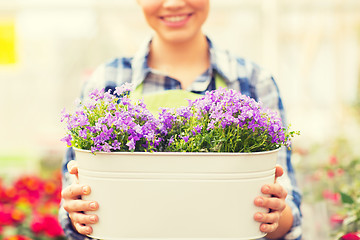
[176, 20]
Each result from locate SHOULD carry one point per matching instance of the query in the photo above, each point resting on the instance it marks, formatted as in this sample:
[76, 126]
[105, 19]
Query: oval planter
[176, 195]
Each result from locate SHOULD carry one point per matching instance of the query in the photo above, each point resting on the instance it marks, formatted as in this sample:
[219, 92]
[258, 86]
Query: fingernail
[92, 219]
[85, 190]
[258, 216]
[266, 189]
[263, 227]
[93, 205]
[260, 201]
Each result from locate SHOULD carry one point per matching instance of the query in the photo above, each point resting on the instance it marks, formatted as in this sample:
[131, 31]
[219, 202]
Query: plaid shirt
[238, 74]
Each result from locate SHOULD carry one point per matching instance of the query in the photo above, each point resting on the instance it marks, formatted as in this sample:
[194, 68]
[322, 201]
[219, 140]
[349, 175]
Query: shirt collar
[220, 61]
[139, 64]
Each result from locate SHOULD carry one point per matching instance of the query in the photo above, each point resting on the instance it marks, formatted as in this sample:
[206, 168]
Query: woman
[180, 56]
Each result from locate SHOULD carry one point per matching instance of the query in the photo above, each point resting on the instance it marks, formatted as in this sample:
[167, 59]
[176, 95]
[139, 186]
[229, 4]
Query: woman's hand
[75, 206]
[279, 220]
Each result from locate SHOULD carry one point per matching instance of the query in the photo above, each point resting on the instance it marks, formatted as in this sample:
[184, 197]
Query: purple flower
[171, 140]
[97, 94]
[126, 87]
[111, 107]
[64, 115]
[198, 128]
[83, 133]
[106, 147]
[116, 145]
[67, 139]
[131, 144]
[186, 138]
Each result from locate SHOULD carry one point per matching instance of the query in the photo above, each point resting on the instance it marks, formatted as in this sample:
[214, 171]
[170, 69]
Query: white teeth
[175, 18]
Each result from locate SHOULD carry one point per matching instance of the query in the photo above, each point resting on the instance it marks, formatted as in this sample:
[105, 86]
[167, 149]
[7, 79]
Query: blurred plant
[336, 182]
[350, 200]
[28, 208]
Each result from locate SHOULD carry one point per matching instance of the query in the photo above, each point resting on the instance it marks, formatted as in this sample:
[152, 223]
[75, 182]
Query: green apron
[169, 98]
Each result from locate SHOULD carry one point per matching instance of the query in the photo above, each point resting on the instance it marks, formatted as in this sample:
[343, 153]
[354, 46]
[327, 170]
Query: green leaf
[345, 198]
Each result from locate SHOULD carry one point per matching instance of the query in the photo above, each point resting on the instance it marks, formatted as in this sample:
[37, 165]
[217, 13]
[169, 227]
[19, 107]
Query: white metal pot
[176, 195]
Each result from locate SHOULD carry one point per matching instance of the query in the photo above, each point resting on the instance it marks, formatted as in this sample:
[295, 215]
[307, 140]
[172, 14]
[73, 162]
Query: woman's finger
[279, 171]
[74, 191]
[82, 229]
[269, 218]
[83, 218]
[80, 206]
[276, 190]
[268, 228]
[270, 203]
[73, 168]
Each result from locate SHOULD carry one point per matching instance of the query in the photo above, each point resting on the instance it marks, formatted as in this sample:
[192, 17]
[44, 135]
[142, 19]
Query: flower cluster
[28, 209]
[223, 121]
[220, 121]
[112, 122]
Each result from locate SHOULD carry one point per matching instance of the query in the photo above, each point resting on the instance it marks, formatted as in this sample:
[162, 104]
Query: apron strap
[219, 81]
[169, 99]
[138, 92]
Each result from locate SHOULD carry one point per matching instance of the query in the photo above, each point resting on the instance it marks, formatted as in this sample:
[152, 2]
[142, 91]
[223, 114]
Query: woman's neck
[183, 61]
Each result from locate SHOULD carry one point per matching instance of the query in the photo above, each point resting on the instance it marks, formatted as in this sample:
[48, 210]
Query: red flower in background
[351, 236]
[29, 187]
[336, 220]
[340, 171]
[332, 196]
[52, 190]
[17, 215]
[53, 228]
[333, 160]
[46, 224]
[37, 224]
[330, 173]
[30, 206]
[7, 194]
[6, 214]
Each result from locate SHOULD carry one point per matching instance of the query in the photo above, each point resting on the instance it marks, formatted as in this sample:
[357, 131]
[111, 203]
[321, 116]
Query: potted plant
[181, 174]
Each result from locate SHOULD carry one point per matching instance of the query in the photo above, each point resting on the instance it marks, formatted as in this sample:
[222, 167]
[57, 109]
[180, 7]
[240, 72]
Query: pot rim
[180, 153]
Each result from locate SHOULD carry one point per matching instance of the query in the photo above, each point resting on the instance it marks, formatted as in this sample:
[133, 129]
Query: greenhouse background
[49, 48]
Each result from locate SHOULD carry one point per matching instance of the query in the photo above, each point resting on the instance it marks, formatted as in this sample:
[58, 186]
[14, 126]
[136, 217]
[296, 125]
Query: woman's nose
[174, 4]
